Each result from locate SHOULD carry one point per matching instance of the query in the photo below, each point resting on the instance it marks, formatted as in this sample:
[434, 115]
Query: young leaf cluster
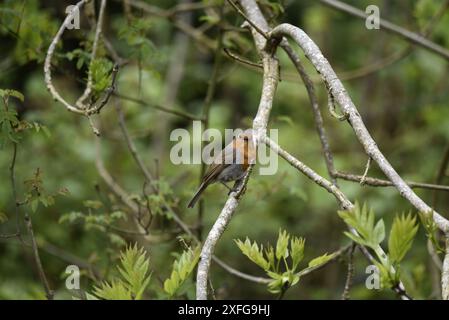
[281, 263]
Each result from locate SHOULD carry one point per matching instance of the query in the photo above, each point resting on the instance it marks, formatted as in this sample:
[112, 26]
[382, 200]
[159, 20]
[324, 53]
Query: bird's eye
[245, 138]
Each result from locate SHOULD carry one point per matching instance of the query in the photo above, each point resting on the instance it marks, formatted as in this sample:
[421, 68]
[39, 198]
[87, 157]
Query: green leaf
[11, 93]
[101, 74]
[297, 251]
[282, 282]
[252, 251]
[401, 236]
[379, 232]
[182, 268]
[431, 229]
[134, 277]
[269, 253]
[356, 238]
[362, 220]
[116, 290]
[318, 261]
[282, 245]
[134, 270]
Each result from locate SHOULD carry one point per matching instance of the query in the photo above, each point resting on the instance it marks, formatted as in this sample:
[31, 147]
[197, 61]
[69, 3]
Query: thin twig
[49, 57]
[392, 28]
[79, 107]
[121, 193]
[254, 25]
[48, 291]
[350, 273]
[375, 182]
[365, 173]
[241, 59]
[12, 176]
[132, 147]
[179, 113]
[98, 32]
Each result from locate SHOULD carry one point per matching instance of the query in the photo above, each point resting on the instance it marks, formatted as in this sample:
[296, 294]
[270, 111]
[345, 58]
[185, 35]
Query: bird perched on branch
[230, 164]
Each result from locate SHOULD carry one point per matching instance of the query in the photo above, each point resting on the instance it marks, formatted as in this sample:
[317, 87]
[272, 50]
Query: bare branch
[214, 235]
[98, 31]
[179, 113]
[121, 194]
[445, 274]
[365, 173]
[350, 273]
[374, 182]
[241, 59]
[79, 108]
[323, 67]
[392, 28]
[12, 176]
[48, 291]
[49, 57]
[132, 148]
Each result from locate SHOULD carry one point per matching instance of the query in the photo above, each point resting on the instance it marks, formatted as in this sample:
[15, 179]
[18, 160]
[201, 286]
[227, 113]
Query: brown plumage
[230, 164]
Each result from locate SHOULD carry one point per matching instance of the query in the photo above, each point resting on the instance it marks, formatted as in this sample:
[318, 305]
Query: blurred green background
[404, 105]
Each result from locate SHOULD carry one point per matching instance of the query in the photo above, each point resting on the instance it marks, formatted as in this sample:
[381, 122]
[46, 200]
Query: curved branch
[49, 57]
[392, 28]
[260, 122]
[98, 31]
[337, 90]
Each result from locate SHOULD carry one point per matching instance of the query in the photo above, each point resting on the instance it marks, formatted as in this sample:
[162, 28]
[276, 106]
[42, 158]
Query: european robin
[230, 164]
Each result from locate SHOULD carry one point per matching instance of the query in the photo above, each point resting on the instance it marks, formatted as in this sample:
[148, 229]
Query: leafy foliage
[101, 74]
[270, 259]
[401, 237]
[431, 230]
[135, 277]
[362, 220]
[182, 268]
[371, 235]
[36, 193]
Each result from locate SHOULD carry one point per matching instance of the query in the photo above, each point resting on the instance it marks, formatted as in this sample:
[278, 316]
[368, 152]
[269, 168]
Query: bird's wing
[213, 171]
[218, 164]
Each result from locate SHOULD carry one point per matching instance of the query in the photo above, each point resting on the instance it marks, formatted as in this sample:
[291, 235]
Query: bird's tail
[197, 195]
